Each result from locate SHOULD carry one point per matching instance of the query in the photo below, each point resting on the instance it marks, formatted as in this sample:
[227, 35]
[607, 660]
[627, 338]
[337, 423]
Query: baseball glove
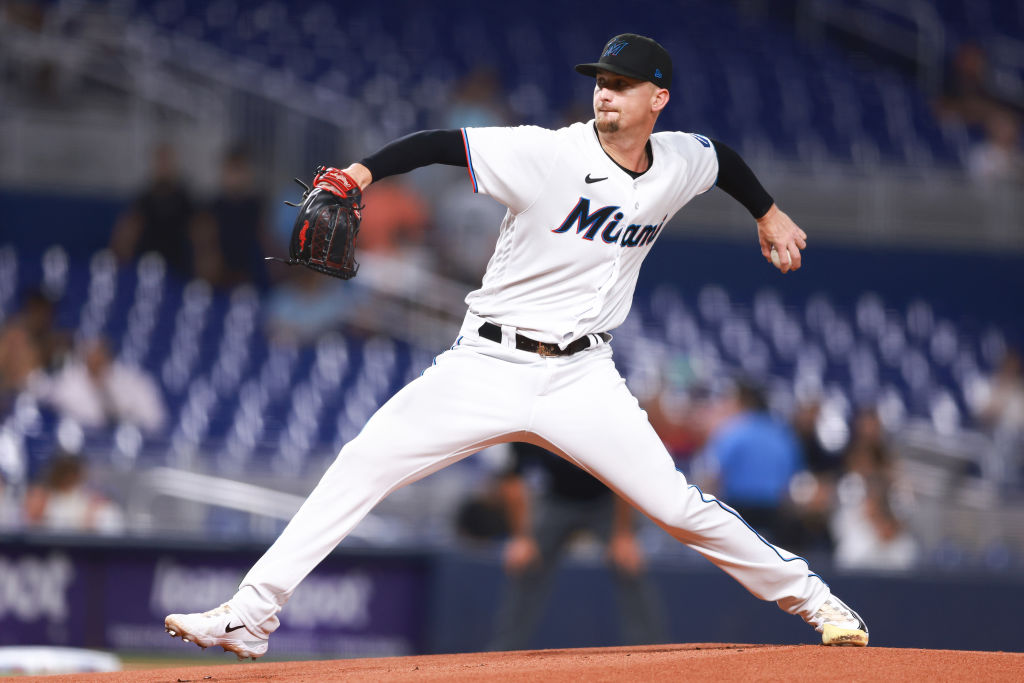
[324, 234]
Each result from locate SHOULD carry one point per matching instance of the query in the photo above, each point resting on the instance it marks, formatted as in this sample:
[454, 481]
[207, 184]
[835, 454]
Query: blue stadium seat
[799, 101]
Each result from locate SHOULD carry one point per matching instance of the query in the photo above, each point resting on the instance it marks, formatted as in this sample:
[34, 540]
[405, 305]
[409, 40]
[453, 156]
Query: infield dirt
[700, 661]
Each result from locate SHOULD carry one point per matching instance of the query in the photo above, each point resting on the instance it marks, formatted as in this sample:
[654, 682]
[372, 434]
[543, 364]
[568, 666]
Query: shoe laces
[835, 612]
[217, 611]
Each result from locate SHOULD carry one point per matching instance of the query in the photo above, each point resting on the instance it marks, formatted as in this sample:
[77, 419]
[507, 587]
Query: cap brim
[592, 69]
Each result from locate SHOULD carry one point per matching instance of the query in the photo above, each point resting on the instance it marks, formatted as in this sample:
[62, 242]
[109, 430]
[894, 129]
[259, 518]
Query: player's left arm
[774, 227]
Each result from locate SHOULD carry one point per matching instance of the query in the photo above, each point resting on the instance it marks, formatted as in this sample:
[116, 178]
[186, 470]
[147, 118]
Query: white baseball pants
[481, 393]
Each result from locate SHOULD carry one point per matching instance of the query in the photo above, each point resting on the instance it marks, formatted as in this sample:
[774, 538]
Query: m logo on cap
[614, 49]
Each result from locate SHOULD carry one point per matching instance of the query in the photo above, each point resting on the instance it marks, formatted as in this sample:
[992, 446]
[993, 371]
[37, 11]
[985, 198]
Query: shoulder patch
[701, 139]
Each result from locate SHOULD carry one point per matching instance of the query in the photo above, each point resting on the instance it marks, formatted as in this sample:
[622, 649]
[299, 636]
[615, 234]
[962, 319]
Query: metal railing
[164, 499]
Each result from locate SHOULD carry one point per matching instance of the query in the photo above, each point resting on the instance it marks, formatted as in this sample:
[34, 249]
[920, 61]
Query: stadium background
[909, 299]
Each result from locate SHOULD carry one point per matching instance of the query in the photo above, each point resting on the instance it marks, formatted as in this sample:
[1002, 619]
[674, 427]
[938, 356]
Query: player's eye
[617, 85]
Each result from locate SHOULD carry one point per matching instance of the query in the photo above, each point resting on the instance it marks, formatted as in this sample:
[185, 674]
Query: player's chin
[606, 126]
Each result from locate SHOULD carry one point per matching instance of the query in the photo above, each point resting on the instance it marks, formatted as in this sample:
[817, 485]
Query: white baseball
[776, 259]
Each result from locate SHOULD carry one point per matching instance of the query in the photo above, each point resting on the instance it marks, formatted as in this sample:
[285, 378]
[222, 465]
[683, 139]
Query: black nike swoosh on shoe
[229, 628]
[589, 180]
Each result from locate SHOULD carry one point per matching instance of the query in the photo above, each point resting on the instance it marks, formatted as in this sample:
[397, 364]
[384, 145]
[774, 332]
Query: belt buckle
[548, 350]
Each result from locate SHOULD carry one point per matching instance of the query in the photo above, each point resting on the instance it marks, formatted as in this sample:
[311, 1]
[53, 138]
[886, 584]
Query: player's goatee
[608, 126]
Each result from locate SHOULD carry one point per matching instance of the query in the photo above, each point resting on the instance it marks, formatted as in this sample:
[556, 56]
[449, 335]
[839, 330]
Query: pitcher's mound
[702, 661]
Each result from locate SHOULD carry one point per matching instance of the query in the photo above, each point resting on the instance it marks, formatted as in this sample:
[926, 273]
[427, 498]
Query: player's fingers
[782, 260]
[801, 239]
[781, 257]
[766, 249]
[795, 257]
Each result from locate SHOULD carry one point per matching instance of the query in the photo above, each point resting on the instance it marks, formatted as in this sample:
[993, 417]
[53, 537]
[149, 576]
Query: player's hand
[360, 174]
[520, 553]
[335, 181]
[625, 554]
[776, 229]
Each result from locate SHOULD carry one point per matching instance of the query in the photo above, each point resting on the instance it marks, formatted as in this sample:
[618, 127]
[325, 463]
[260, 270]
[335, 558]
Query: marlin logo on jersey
[614, 49]
[589, 225]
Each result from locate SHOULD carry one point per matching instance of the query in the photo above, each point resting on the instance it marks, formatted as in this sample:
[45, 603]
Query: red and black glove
[324, 234]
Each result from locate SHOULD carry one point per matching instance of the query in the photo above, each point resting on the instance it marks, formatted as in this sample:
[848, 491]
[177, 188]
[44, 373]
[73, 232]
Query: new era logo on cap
[635, 56]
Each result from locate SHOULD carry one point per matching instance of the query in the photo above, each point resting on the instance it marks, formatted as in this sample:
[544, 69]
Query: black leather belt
[492, 332]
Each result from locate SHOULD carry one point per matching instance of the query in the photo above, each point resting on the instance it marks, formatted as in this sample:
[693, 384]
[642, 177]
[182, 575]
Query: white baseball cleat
[216, 627]
[839, 625]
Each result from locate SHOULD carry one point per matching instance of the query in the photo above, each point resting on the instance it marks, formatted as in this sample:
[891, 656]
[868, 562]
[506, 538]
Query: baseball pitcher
[533, 360]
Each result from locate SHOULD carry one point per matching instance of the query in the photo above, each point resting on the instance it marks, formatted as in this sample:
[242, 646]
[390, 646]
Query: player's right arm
[774, 227]
[712, 163]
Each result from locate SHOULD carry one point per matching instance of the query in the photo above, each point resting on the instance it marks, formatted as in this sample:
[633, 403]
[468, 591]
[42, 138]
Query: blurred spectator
[1003, 407]
[230, 233]
[159, 218]
[39, 75]
[397, 221]
[1001, 411]
[19, 357]
[867, 454]
[481, 517]
[682, 416]
[476, 101]
[813, 491]
[464, 232]
[95, 390]
[868, 533]
[10, 516]
[308, 304]
[540, 532]
[25, 13]
[30, 342]
[998, 158]
[464, 235]
[968, 93]
[63, 501]
[750, 459]
[817, 458]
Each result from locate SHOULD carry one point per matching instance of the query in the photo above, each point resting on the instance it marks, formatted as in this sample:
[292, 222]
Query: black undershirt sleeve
[737, 180]
[418, 149]
[447, 147]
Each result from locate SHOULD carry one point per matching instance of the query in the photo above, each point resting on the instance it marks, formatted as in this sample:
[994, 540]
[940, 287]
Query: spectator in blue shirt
[749, 460]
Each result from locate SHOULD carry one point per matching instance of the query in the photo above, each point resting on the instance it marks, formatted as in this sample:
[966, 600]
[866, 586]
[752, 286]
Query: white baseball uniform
[565, 266]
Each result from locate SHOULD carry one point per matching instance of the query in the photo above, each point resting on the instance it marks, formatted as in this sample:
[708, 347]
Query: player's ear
[659, 100]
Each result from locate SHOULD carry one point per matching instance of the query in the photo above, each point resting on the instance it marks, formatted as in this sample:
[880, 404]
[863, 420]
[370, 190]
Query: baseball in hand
[775, 258]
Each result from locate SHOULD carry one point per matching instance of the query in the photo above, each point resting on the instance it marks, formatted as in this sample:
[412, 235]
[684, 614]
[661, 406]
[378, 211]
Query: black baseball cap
[629, 54]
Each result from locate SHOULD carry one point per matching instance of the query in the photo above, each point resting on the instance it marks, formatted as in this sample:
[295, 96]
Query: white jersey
[578, 226]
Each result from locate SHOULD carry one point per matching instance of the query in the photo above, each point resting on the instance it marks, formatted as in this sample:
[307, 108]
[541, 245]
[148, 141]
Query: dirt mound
[712, 661]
